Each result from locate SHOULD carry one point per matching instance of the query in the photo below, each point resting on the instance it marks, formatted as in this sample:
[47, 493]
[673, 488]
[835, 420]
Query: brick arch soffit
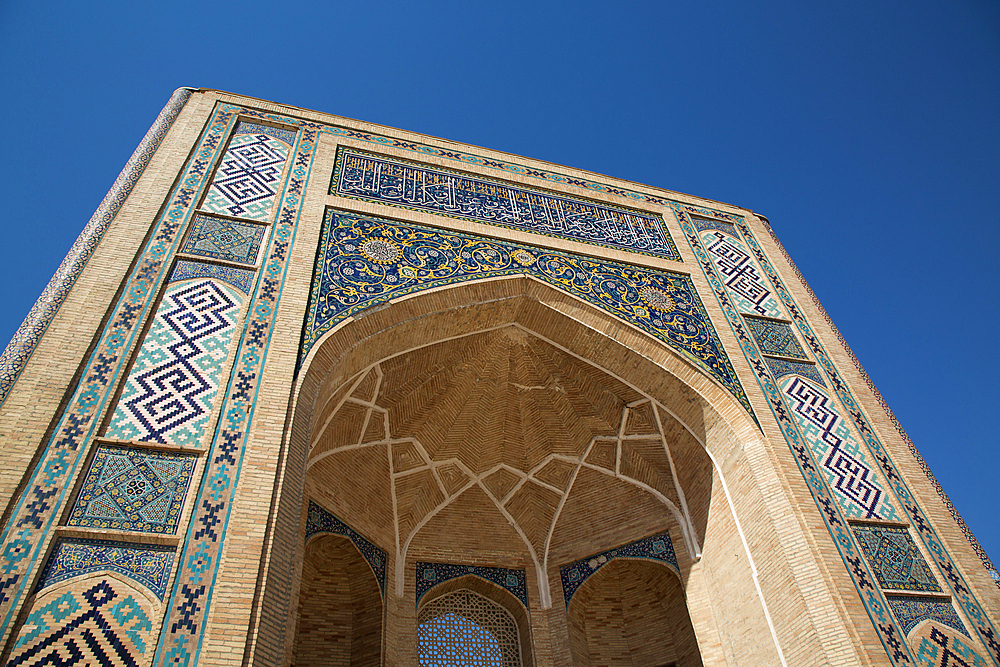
[595, 577]
[349, 338]
[345, 539]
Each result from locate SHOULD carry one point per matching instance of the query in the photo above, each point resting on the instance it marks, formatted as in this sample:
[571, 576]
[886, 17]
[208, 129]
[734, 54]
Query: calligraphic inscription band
[415, 186]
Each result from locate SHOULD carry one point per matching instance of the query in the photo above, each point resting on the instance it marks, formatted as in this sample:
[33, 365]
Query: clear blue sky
[867, 132]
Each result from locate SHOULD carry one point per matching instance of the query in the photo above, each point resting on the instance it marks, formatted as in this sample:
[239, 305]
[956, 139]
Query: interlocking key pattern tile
[221, 238]
[511, 580]
[145, 564]
[133, 489]
[170, 390]
[895, 559]
[420, 187]
[321, 521]
[246, 182]
[657, 548]
[103, 626]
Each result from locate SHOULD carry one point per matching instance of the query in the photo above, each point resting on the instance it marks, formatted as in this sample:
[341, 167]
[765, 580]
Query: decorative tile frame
[890, 633]
[657, 548]
[365, 260]
[133, 489]
[422, 187]
[147, 564]
[430, 575]
[320, 521]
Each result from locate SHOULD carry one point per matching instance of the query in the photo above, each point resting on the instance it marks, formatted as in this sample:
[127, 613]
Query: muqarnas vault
[309, 391]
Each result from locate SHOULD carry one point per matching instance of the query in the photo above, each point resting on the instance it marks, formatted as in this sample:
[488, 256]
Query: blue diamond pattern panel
[146, 564]
[416, 186]
[740, 273]
[220, 238]
[321, 521]
[133, 489]
[246, 182]
[657, 548]
[895, 559]
[511, 580]
[854, 482]
[170, 390]
[106, 625]
[784, 367]
[241, 279]
[911, 611]
[775, 338]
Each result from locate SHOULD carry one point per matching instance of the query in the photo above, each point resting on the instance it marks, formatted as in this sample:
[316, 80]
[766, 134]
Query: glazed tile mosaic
[854, 482]
[775, 337]
[364, 261]
[702, 224]
[320, 521]
[656, 547]
[133, 489]
[170, 391]
[939, 650]
[782, 367]
[241, 279]
[245, 185]
[910, 611]
[740, 274]
[100, 627]
[285, 136]
[220, 238]
[895, 559]
[416, 186]
[146, 564]
[432, 574]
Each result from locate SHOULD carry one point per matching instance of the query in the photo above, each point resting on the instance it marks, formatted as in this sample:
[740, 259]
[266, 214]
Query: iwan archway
[506, 431]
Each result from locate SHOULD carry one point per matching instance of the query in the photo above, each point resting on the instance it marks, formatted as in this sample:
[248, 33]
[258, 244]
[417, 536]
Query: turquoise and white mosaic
[220, 238]
[246, 182]
[170, 391]
[145, 564]
[364, 261]
[133, 489]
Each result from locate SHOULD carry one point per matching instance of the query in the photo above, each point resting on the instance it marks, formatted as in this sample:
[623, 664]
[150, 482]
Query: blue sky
[866, 132]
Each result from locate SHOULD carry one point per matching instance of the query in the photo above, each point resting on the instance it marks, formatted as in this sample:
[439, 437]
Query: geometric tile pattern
[740, 274]
[281, 134]
[656, 547]
[133, 489]
[701, 224]
[937, 649]
[146, 564]
[364, 261]
[910, 611]
[100, 626]
[432, 574]
[895, 559]
[782, 367]
[853, 481]
[224, 239]
[775, 337]
[246, 182]
[241, 279]
[416, 186]
[321, 521]
[170, 391]
[26, 338]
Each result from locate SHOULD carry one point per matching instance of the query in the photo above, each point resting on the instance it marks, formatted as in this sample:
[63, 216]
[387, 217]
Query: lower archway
[340, 607]
[632, 613]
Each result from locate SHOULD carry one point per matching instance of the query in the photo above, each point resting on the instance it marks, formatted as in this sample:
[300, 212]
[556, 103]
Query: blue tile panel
[937, 649]
[910, 611]
[321, 521]
[656, 548]
[740, 274]
[146, 564]
[432, 574]
[171, 389]
[241, 279]
[895, 559]
[416, 186]
[220, 238]
[701, 224]
[100, 627]
[134, 489]
[782, 367]
[282, 135]
[855, 483]
[364, 261]
[246, 182]
[775, 337]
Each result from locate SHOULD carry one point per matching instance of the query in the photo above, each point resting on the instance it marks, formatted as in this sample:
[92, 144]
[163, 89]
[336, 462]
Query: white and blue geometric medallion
[513, 581]
[246, 182]
[854, 482]
[146, 564]
[134, 489]
[220, 238]
[171, 388]
[657, 548]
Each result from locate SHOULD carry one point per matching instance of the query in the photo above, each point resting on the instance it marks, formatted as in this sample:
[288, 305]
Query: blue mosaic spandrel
[146, 564]
[319, 520]
[511, 580]
[655, 547]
